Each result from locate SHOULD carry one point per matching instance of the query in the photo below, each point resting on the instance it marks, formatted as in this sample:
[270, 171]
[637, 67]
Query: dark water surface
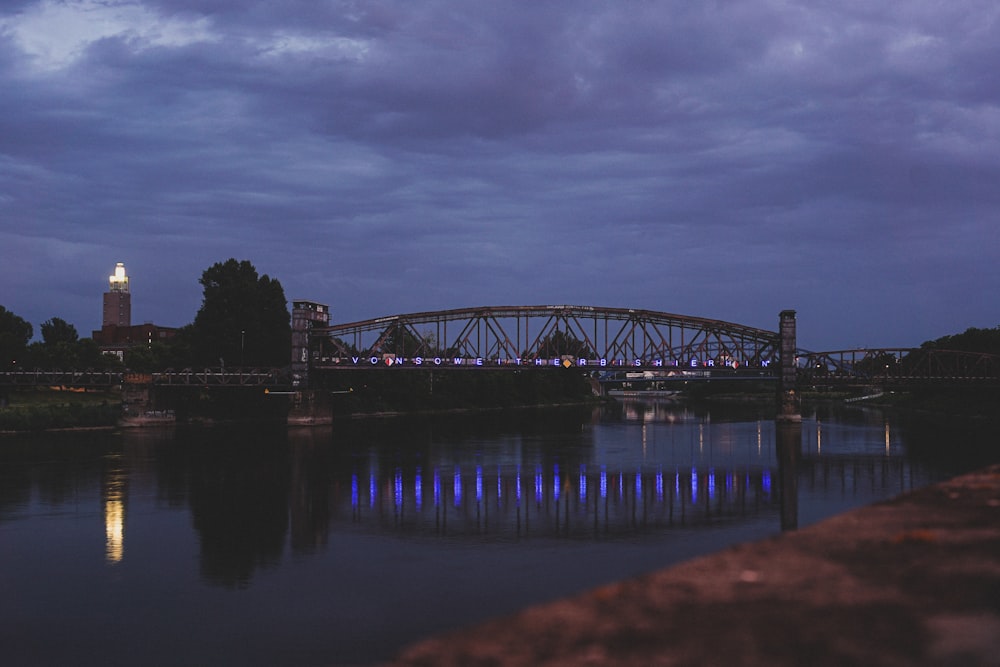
[250, 546]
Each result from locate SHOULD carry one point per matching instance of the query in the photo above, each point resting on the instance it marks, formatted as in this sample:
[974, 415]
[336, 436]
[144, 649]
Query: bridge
[899, 367]
[510, 336]
[609, 342]
[617, 342]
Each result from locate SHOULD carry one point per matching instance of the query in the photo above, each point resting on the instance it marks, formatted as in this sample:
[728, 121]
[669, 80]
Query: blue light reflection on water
[259, 529]
[518, 484]
[418, 498]
[686, 489]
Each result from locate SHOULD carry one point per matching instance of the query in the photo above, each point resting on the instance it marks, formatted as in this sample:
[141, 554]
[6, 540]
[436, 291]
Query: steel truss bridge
[620, 339]
[899, 367]
[545, 335]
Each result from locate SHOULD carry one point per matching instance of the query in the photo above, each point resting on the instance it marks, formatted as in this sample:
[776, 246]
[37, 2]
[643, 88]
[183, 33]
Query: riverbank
[911, 581]
[59, 409]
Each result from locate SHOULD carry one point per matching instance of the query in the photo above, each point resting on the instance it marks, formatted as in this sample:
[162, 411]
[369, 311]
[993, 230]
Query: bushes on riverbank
[54, 416]
[44, 408]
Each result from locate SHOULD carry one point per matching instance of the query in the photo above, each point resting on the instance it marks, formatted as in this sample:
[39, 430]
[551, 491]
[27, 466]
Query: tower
[788, 399]
[305, 316]
[117, 300]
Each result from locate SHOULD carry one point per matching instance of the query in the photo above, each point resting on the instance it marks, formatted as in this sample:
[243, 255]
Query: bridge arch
[504, 334]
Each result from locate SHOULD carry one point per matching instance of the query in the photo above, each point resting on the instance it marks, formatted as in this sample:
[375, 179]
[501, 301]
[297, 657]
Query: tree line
[243, 321]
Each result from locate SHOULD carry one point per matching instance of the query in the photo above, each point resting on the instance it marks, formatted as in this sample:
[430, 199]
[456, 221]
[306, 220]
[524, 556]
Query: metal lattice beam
[503, 334]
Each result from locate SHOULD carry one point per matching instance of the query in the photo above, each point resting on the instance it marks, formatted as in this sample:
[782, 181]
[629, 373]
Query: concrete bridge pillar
[788, 397]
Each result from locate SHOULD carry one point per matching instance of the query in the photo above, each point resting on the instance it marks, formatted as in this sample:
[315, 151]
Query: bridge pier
[788, 397]
[305, 316]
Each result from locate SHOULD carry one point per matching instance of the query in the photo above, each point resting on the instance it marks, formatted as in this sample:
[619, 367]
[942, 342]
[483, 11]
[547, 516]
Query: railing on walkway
[223, 377]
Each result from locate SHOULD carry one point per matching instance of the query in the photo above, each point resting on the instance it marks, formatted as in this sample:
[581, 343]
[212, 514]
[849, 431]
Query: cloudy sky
[720, 159]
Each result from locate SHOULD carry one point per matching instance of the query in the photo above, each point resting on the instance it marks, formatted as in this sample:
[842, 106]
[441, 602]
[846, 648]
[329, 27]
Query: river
[338, 545]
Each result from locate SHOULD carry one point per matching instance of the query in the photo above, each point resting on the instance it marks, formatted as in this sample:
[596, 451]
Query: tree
[15, 333]
[57, 330]
[972, 340]
[243, 319]
[560, 343]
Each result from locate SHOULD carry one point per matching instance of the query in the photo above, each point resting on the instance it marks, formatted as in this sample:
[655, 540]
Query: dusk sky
[720, 159]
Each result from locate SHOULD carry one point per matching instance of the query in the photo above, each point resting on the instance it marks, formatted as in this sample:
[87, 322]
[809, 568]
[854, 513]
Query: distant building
[117, 300]
[117, 333]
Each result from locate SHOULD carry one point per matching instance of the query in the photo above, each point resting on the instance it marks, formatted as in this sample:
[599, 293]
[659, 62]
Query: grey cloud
[724, 159]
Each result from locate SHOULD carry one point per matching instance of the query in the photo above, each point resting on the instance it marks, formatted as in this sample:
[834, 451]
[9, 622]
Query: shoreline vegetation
[54, 408]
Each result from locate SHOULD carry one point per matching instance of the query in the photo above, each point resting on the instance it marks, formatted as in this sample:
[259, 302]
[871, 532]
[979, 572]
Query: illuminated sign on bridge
[389, 360]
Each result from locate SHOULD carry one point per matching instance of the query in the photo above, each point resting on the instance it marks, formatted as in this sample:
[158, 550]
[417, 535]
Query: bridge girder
[527, 332]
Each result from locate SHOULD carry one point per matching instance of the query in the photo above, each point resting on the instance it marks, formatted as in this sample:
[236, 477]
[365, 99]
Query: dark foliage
[15, 333]
[243, 320]
[971, 340]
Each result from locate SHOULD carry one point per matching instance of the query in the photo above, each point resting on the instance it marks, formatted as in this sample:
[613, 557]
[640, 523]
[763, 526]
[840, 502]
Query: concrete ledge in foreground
[911, 581]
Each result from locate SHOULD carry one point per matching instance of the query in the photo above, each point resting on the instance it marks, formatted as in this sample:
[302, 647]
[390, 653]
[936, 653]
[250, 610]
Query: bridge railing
[220, 376]
[108, 378]
[60, 378]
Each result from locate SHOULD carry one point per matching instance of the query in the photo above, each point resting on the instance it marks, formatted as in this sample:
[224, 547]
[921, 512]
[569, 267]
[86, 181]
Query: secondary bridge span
[899, 367]
[517, 335]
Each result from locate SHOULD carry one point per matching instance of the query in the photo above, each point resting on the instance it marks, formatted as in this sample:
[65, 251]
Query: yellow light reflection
[887, 438]
[114, 530]
[115, 484]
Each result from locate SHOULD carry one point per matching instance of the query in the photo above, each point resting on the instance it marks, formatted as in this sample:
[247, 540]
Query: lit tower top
[117, 300]
[119, 281]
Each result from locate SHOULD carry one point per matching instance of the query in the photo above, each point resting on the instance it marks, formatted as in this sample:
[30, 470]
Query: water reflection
[241, 504]
[631, 472]
[113, 498]
[788, 441]
[595, 501]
